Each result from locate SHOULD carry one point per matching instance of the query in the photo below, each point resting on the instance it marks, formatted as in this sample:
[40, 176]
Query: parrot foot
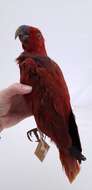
[35, 131]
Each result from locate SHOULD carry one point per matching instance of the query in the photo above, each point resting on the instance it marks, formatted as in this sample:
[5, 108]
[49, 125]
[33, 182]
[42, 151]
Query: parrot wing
[53, 79]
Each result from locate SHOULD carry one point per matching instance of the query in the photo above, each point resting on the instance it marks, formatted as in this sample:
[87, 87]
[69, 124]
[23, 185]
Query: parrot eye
[38, 35]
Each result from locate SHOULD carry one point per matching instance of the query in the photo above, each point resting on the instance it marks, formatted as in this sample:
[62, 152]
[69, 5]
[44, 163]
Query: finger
[17, 88]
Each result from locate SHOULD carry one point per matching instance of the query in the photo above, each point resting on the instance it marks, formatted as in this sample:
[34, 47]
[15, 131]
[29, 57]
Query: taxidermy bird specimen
[49, 101]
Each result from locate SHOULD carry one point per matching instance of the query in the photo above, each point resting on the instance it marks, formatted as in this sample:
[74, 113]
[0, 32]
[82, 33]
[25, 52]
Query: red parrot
[49, 101]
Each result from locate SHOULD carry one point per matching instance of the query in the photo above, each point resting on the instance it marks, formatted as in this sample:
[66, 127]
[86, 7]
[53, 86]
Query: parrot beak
[17, 33]
[22, 33]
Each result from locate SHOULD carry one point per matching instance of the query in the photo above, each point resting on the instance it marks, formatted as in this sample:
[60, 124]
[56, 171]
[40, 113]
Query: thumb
[17, 88]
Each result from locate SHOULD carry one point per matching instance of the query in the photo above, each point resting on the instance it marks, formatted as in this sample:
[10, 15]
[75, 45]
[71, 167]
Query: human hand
[13, 107]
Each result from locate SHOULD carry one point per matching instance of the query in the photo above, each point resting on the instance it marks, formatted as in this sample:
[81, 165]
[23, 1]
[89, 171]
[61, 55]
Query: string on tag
[42, 137]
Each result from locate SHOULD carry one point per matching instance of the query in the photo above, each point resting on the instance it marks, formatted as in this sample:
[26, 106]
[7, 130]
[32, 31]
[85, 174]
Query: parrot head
[31, 38]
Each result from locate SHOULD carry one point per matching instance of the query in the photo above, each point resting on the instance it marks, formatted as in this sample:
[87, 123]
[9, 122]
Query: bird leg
[35, 131]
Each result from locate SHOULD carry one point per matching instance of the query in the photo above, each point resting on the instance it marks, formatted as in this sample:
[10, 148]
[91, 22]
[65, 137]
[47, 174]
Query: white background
[67, 28]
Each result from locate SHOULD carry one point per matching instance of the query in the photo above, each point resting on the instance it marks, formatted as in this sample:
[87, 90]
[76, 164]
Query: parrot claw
[35, 132]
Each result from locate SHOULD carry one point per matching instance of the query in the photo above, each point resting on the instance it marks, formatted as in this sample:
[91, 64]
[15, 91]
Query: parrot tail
[70, 165]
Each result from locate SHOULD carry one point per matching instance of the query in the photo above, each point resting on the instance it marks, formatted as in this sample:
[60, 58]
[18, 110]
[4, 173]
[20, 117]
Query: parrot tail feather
[70, 165]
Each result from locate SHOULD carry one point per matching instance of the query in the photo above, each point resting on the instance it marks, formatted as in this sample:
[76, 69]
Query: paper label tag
[41, 150]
